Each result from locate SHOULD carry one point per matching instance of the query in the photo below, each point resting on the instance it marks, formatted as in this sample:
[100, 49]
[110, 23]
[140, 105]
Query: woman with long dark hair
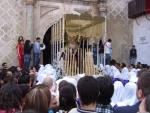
[27, 54]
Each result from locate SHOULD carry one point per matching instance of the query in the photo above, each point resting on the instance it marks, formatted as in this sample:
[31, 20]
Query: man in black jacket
[133, 55]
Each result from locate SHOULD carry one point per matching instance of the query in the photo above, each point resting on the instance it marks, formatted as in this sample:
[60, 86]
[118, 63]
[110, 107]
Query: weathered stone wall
[119, 29]
[11, 27]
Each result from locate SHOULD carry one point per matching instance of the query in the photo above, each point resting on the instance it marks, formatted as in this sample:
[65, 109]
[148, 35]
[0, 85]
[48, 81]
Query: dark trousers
[27, 58]
[36, 59]
[108, 59]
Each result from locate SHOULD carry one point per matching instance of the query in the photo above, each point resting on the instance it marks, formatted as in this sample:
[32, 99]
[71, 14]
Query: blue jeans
[132, 60]
[36, 59]
[108, 59]
[27, 58]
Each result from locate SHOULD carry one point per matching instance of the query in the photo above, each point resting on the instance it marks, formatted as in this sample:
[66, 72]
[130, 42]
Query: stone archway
[51, 12]
[46, 24]
[48, 13]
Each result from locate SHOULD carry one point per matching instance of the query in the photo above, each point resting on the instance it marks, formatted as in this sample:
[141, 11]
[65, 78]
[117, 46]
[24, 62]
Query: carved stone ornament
[30, 2]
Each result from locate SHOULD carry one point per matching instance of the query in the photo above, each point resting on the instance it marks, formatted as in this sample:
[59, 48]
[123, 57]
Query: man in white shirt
[36, 51]
[108, 51]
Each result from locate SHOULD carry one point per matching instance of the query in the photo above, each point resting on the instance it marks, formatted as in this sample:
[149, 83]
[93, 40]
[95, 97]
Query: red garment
[10, 111]
[20, 52]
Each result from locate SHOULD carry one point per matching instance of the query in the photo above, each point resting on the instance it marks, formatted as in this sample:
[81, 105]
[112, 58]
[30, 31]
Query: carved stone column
[29, 18]
[95, 9]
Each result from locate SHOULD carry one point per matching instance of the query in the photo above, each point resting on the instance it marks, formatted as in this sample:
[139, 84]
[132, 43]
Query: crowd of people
[121, 89]
[103, 53]
[24, 51]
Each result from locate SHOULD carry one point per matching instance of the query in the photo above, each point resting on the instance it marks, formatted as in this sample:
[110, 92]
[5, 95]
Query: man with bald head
[48, 81]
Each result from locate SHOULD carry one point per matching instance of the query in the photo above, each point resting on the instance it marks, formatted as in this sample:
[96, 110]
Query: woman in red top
[20, 51]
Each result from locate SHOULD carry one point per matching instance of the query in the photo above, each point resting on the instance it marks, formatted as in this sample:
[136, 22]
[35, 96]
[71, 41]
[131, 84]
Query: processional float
[72, 42]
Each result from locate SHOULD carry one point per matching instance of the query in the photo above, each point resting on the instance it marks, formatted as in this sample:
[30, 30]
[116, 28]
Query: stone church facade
[32, 18]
